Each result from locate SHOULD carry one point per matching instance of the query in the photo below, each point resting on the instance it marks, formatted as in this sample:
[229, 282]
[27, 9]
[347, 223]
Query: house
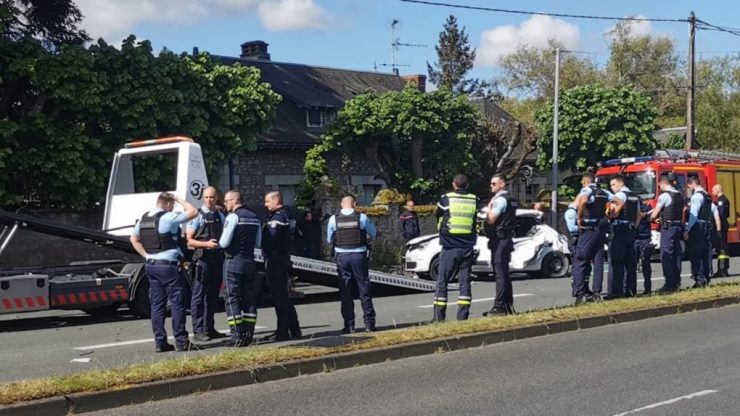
[312, 96]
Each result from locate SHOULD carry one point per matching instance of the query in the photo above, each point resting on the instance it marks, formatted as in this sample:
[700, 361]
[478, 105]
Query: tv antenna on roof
[395, 46]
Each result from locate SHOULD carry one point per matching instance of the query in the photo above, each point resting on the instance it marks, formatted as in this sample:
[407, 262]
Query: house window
[313, 117]
[320, 117]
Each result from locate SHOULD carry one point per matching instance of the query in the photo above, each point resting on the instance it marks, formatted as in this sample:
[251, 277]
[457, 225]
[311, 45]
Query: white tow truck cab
[131, 194]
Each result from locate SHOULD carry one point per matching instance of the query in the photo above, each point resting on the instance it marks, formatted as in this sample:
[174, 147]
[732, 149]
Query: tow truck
[102, 287]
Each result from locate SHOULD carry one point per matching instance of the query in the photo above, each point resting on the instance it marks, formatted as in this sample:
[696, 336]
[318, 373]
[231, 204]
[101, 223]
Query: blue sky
[356, 34]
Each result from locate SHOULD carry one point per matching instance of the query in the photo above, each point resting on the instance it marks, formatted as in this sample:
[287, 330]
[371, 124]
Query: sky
[357, 34]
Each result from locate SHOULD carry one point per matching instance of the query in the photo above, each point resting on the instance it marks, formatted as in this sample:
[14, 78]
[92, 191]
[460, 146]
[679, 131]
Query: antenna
[395, 44]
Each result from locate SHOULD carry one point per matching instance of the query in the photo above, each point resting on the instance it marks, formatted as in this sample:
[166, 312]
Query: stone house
[312, 96]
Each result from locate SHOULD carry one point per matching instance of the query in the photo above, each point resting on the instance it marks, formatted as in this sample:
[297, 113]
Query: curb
[166, 389]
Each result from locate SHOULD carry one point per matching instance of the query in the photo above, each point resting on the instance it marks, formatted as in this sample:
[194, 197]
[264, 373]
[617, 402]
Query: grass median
[123, 377]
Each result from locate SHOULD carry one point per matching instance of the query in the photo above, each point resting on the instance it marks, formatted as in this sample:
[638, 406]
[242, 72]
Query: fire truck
[101, 287]
[711, 167]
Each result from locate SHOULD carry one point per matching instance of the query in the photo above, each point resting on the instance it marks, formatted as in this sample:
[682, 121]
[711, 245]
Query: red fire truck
[711, 167]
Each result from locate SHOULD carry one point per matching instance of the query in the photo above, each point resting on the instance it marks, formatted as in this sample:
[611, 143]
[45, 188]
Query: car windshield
[641, 183]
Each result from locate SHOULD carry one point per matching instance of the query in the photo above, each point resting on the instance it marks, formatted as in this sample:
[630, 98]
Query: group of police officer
[223, 249]
[621, 214]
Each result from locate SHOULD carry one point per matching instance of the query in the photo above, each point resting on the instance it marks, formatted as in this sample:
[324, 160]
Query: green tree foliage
[649, 64]
[65, 111]
[54, 22]
[718, 103]
[416, 141]
[597, 123]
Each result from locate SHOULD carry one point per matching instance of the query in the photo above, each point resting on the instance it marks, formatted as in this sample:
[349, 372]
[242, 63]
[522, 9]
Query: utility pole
[554, 202]
[691, 102]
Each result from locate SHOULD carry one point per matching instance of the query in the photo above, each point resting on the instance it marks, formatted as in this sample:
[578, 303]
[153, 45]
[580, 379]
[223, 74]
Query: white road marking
[671, 401]
[80, 360]
[136, 341]
[518, 295]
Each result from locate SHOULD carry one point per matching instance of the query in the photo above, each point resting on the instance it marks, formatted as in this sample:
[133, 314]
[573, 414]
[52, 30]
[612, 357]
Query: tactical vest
[459, 219]
[245, 233]
[211, 227]
[723, 206]
[349, 232]
[505, 223]
[150, 237]
[596, 210]
[673, 212]
[631, 205]
[705, 211]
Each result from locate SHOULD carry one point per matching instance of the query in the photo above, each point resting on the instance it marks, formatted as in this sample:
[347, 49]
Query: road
[58, 342]
[678, 365]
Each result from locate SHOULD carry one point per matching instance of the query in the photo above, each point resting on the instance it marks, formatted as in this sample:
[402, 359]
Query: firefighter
[409, 222]
[591, 212]
[669, 212]
[276, 248]
[241, 235]
[157, 238]
[499, 228]
[723, 253]
[348, 232]
[702, 212]
[644, 248]
[456, 212]
[203, 233]
[625, 216]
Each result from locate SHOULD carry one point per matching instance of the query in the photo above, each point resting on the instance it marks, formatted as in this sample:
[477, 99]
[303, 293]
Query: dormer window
[320, 116]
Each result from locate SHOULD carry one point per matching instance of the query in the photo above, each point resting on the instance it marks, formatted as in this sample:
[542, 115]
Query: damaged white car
[539, 250]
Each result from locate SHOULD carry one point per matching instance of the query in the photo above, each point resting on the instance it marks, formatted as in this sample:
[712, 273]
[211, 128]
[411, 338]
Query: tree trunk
[417, 147]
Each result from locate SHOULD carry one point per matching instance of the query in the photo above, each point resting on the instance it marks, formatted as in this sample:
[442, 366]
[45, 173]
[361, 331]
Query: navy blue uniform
[456, 212]
[348, 232]
[276, 248]
[209, 265]
[671, 203]
[701, 217]
[500, 241]
[409, 225]
[644, 250]
[242, 234]
[622, 259]
[591, 239]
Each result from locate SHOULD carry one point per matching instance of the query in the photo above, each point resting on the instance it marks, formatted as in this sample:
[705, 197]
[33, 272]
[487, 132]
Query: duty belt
[159, 262]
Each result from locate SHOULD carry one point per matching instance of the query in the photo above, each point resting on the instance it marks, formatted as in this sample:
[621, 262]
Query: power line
[708, 26]
[575, 16]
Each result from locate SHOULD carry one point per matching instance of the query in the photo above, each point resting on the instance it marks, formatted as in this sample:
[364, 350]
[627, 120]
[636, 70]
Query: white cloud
[293, 15]
[115, 19]
[638, 28]
[535, 31]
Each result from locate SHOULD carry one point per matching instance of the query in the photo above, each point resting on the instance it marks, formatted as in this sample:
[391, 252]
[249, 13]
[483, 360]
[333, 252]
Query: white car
[538, 250]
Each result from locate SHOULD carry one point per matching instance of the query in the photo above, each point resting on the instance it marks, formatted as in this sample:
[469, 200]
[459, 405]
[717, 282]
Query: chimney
[255, 50]
[418, 79]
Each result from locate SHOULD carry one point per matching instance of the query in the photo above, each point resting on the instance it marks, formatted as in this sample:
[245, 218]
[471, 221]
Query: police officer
[625, 216]
[644, 248]
[669, 209]
[499, 228]
[409, 222]
[702, 213]
[571, 222]
[591, 210]
[456, 213]
[203, 233]
[723, 253]
[348, 231]
[276, 248]
[242, 234]
[157, 238]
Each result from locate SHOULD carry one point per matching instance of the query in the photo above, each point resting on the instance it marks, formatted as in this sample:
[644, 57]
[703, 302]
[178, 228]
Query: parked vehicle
[539, 250]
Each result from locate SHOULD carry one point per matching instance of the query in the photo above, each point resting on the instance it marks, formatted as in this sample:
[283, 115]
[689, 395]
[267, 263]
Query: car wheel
[434, 268]
[107, 310]
[555, 264]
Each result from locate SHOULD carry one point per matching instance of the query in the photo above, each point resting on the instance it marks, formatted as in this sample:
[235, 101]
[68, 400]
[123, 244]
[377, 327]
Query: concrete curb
[159, 390]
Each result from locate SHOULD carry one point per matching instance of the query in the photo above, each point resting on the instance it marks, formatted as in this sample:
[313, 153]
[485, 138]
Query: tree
[455, 58]
[55, 22]
[648, 64]
[416, 141]
[65, 111]
[718, 103]
[597, 123]
[530, 71]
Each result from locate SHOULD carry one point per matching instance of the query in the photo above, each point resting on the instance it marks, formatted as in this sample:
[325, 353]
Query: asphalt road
[679, 365]
[58, 342]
